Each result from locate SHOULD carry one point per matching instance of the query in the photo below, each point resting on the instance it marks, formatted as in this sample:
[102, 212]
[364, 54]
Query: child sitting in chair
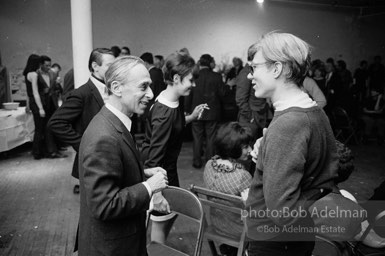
[225, 173]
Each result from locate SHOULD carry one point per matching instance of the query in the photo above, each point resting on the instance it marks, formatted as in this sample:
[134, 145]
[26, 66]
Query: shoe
[76, 189]
[56, 155]
[197, 166]
[37, 157]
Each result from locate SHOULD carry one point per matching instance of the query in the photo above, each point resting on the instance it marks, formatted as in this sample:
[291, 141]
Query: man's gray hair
[120, 70]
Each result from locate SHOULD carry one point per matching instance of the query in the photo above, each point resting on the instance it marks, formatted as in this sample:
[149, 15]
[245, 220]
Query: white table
[16, 128]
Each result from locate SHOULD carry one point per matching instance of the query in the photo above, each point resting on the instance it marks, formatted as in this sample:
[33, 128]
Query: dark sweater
[297, 164]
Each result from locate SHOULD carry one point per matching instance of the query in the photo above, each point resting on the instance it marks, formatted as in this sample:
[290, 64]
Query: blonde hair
[120, 70]
[291, 51]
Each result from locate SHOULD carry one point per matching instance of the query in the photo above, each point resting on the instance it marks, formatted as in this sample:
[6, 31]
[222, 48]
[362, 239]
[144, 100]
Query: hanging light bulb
[260, 1]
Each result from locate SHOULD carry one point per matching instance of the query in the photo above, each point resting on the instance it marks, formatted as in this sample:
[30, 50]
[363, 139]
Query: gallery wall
[223, 28]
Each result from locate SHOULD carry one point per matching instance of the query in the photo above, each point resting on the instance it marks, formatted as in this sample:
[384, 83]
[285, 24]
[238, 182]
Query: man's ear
[176, 78]
[116, 88]
[277, 69]
[94, 65]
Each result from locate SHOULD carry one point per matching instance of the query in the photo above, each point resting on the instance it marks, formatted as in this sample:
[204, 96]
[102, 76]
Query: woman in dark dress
[37, 97]
[164, 132]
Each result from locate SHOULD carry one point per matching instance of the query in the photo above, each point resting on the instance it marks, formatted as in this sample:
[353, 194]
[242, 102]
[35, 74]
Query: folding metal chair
[359, 249]
[216, 200]
[188, 205]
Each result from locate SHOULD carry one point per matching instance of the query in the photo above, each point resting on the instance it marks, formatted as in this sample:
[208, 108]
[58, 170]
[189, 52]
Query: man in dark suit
[157, 85]
[209, 89]
[68, 83]
[333, 86]
[72, 118]
[46, 78]
[252, 110]
[156, 74]
[114, 194]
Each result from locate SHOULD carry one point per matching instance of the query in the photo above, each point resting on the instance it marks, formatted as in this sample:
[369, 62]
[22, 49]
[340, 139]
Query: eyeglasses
[253, 66]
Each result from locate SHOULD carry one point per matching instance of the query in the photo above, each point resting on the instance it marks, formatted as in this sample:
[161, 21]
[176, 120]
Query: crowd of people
[360, 94]
[262, 131]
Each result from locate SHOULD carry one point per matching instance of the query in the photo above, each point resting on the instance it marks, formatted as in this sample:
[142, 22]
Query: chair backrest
[187, 204]
[341, 117]
[225, 202]
[234, 203]
[183, 202]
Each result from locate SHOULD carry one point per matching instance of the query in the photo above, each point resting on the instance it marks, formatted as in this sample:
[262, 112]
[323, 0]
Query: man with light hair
[114, 195]
[296, 160]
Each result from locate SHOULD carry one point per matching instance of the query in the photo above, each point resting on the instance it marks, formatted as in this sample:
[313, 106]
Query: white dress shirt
[102, 88]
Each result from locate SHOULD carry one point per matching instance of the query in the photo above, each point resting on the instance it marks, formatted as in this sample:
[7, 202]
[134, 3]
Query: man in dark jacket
[209, 89]
[253, 111]
[70, 121]
[114, 194]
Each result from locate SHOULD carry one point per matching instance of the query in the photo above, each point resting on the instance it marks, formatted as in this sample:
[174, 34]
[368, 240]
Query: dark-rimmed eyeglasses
[253, 66]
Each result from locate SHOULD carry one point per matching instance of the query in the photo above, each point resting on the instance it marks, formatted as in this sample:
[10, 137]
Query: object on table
[11, 105]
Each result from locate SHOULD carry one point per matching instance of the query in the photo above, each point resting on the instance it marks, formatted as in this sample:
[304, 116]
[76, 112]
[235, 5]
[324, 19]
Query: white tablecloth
[16, 128]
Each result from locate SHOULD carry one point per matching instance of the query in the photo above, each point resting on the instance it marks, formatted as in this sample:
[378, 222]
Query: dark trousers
[38, 146]
[273, 248]
[50, 141]
[201, 129]
[43, 140]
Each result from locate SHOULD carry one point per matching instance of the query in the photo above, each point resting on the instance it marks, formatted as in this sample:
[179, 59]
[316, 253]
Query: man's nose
[149, 93]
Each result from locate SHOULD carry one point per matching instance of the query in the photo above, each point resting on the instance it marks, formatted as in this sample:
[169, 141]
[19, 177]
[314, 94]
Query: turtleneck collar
[302, 100]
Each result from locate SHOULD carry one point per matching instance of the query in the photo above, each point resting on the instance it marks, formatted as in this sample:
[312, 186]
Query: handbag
[337, 217]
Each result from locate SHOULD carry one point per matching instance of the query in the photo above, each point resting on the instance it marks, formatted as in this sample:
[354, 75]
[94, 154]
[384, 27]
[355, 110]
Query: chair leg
[242, 250]
[348, 138]
[212, 248]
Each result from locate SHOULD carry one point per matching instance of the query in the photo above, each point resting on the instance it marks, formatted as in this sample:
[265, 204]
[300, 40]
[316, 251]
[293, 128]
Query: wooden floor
[39, 212]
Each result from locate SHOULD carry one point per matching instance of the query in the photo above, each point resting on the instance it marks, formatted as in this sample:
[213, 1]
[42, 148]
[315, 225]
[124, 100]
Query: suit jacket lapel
[95, 93]
[128, 139]
[126, 135]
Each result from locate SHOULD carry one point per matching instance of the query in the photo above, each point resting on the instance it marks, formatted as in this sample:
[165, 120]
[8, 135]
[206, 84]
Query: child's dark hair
[230, 139]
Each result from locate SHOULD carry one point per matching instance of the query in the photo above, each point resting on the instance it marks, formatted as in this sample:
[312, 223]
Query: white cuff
[151, 204]
[148, 188]
[150, 194]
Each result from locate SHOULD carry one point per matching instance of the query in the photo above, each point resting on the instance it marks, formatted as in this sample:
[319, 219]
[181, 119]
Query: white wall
[223, 28]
